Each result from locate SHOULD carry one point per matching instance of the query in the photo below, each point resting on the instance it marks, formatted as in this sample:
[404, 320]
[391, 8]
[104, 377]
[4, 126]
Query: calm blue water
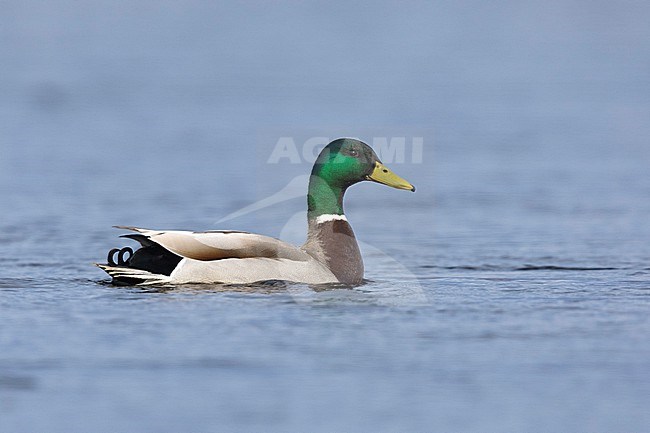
[510, 293]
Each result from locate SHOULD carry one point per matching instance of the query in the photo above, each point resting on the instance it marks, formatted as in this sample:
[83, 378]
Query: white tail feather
[117, 272]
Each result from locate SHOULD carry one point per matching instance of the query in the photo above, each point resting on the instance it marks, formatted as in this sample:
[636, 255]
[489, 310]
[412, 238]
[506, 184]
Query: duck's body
[330, 254]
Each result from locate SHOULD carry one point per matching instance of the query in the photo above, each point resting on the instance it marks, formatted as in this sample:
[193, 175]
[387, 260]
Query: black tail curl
[121, 260]
[150, 257]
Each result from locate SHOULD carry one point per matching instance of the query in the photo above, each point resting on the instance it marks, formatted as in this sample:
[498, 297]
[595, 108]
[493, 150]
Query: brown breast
[341, 251]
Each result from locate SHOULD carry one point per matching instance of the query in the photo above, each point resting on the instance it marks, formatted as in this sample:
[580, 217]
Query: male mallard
[330, 255]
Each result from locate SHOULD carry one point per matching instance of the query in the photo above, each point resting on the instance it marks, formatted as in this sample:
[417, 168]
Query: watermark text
[391, 150]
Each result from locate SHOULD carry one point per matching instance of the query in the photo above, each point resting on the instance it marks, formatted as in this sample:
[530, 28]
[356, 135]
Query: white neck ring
[330, 217]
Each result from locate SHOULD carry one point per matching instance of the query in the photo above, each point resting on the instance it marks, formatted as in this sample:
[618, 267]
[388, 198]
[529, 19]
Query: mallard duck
[330, 254]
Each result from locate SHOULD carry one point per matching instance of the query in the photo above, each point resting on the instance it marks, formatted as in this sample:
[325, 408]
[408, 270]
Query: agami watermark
[391, 150]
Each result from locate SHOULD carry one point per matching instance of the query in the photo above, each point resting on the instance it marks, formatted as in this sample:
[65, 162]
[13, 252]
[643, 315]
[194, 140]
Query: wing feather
[216, 245]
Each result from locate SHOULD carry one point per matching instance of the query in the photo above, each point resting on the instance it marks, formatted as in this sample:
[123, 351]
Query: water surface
[509, 293]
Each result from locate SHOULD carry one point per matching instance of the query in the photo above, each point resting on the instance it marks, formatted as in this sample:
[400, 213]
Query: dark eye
[354, 152]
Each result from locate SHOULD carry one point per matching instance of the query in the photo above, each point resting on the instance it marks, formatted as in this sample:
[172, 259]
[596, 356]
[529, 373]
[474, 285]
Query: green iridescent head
[341, 164]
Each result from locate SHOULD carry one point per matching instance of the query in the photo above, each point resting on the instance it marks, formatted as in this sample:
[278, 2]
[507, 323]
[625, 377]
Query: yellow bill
[382, 174]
